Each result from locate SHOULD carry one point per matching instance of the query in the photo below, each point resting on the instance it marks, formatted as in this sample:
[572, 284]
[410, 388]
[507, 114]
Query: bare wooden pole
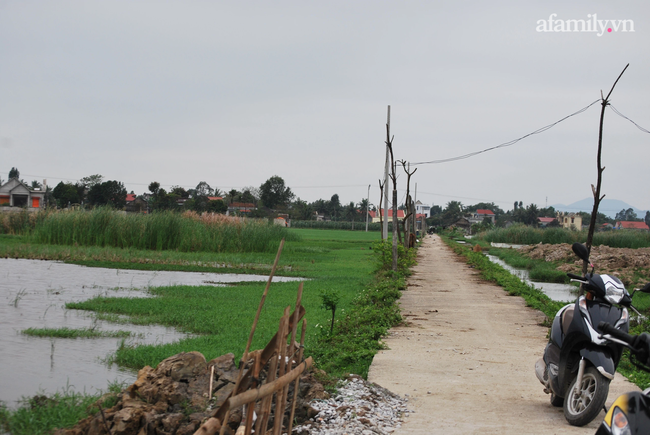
[379, 210]
[384, 228]
[600, 168]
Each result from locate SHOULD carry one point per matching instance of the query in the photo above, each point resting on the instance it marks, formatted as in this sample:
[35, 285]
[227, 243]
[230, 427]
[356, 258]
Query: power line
[505, 144]
[623, 116]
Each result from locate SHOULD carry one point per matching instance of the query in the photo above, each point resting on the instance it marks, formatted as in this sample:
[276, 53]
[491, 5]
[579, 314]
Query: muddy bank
[632, 266]
[174, 398]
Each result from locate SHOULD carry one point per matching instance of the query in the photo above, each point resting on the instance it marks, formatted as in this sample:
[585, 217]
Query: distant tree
[548, 212]
[91, 180]
[13, 173]
[233, 195]
[647, 218]
[180, 192]
[248, 197]
[364, 207]
[36, 185]
[435, 210]
[111, 193]
[320, 206]
[66, 193]
[350, 212]
[452, 212]
[531, 215]
[273, 192]
[154, 187]
[216, 206]
[627, 215]
[300, 210]
[334, 207]
[204, 189]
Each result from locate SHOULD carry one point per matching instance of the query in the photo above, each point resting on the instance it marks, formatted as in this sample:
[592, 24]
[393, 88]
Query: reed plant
[186, 232]
[526, 235]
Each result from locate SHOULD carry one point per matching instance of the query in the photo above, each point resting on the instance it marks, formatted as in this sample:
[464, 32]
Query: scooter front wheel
[583, 406]
[556, 401]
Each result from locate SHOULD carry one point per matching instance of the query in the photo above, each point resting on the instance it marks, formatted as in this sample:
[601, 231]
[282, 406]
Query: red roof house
[631, 225]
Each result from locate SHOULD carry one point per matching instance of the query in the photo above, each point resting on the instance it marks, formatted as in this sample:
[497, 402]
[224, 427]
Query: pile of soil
[172, 399]
[632, 266]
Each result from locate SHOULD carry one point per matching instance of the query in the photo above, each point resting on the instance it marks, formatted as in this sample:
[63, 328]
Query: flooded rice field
[557, 292]
[33, 294]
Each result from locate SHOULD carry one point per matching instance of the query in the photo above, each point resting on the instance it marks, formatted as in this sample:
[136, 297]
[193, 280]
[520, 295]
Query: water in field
[33, 294]
[555, 291]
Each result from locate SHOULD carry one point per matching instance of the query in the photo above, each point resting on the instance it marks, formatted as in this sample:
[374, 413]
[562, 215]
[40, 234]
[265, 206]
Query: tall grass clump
[525, 235]
[19, 222]
[186, 232]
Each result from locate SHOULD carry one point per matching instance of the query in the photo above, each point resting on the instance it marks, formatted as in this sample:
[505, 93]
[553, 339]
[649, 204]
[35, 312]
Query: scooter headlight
[620, 425]
[613, 294]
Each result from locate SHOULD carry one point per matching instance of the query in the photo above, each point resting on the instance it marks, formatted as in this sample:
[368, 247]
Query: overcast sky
[234, 92]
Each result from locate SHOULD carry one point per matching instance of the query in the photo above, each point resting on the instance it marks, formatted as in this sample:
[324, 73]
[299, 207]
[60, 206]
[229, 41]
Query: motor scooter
[578, 364]
[630, 412]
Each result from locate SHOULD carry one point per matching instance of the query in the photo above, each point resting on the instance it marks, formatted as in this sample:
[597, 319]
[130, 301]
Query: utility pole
[384, 230]
[367, 208]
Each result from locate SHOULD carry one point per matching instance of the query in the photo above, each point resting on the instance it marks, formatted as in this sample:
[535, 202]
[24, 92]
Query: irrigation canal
[33, 294]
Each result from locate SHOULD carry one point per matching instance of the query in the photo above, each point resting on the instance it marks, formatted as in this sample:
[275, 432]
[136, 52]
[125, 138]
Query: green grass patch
[74, 333]
[41, 414]
[220, 318]
[538, 270]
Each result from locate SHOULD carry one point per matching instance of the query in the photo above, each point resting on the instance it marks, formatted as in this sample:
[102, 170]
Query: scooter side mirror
[581, 251]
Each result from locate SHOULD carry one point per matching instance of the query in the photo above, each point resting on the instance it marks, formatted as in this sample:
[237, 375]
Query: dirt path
[466, 359]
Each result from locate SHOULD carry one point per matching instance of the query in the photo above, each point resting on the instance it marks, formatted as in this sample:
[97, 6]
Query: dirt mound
[173, 399]
[632, 266]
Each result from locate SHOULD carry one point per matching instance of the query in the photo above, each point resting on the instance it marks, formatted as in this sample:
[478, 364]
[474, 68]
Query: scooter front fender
[601, 359]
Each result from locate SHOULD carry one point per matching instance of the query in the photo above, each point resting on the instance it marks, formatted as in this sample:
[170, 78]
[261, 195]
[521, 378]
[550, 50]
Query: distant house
[545, 221]
[479, 215]
[569, 220]
[240, 207]
[422, 209]
[420, 221]
[16, 194]
[135, 204]
[631, 225]
[375, 215]
[462, 223]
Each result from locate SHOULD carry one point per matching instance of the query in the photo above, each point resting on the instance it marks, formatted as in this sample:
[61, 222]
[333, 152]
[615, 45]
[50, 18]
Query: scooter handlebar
[639, 344]
[574, 276]
[617, 333]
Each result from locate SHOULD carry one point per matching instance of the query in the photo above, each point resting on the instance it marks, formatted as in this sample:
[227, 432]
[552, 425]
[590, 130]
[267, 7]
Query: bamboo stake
[259, 308]
[279, 396]
[297, 384]
[251, 406]
[211, 378]
[273, 366]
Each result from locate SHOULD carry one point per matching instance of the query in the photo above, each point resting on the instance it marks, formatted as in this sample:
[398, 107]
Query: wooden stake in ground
[600, 168]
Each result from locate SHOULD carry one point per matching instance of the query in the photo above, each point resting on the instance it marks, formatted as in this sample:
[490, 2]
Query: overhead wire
[623, 116]
[505, 144]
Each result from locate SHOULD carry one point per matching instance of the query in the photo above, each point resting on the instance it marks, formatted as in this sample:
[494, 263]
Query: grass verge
[41, 414]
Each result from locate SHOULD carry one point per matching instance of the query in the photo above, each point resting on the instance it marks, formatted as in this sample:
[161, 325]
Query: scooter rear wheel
[582, 407]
